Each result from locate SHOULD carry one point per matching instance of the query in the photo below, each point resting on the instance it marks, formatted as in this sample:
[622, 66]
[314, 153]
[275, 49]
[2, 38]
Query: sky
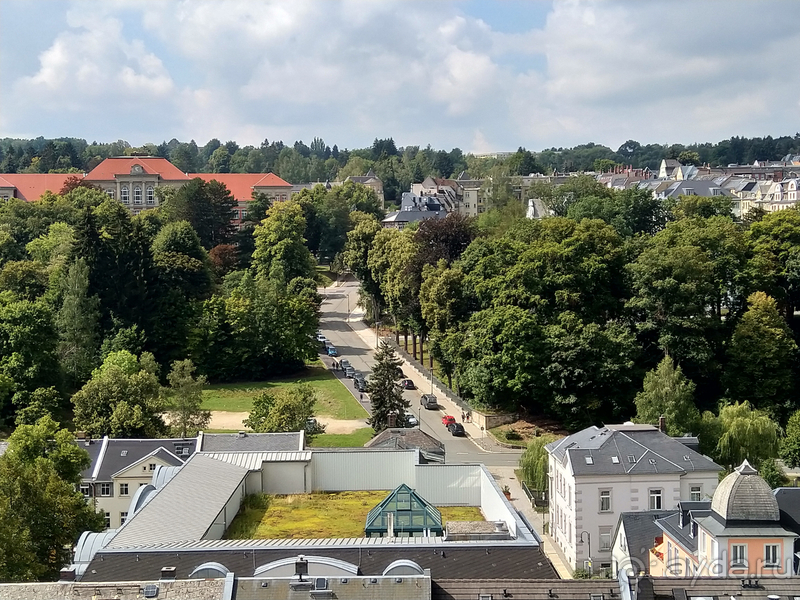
[483, 76]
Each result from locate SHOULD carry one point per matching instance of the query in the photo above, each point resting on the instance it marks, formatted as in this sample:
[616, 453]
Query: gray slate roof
[641, 531]
[475, 561]
[637, 448]
[789, 504]
[251, 442]
[111, 455]
[405, 439]
[165, 519]
[745, 496]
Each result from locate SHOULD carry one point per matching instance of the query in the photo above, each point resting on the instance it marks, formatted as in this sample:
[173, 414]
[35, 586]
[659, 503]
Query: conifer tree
[667, 391]
[385, 395]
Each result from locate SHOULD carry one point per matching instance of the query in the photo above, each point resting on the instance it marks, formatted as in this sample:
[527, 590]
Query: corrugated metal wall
[445, 485]
[341, 471]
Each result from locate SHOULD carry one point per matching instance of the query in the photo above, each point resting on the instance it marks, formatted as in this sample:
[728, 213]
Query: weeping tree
[743, 433]
[533, 462]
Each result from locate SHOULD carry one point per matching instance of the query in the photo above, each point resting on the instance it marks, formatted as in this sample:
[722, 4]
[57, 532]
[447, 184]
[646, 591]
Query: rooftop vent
[615, 460]
[168, 573]
[652, 461]
[150, 590]
[123, 453]
[242, 434]
[631, 458]
[589, 460]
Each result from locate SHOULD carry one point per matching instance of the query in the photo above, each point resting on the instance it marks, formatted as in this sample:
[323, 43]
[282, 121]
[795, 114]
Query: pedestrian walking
[463, 416]
[361, 396]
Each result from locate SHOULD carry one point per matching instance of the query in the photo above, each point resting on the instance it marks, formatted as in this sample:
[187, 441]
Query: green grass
[343, 440]
[315, 516]
[333, 399]
[500, 433]
[325, 277]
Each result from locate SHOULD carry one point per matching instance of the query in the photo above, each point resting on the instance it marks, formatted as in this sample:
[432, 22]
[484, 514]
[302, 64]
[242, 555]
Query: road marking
[462, 453]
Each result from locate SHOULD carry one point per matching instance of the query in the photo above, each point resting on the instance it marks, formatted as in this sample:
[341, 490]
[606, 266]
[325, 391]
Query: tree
[790, 444]
[207, 206]
[761, 358]
[280, 253]
[122, 399]
[184, 399]
[534, 462]
[285, 410]
[43, 402]
[688, 157]
[41, 512]
[772, 473]
[77, 323]
[669, 393]
[746, 433]
[386, 397]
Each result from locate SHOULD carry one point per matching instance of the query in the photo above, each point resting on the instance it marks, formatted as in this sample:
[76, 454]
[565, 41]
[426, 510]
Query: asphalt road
[337, 304]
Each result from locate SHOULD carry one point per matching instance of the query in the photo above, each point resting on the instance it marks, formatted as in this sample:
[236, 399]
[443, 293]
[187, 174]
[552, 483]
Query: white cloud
[676, 71]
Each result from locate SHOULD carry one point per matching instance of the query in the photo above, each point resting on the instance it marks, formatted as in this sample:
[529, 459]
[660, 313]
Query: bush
[513, 434]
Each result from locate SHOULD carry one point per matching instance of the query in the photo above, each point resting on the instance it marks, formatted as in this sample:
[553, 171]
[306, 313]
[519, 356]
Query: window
[605, 500]
[152, 466]
[151, 195]
[123, 489]
[110, 193]
[108, 520]
[244, 214]
[739, 555]
[137, 195]
[696, 493]
[236, 214]
[771, 555]
[105, 489]
[86, 489]
[123, 516]
[605, 539]
[124, 195]
[655, 500]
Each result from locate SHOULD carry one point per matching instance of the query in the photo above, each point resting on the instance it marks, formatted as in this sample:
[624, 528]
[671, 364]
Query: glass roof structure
[406, 513]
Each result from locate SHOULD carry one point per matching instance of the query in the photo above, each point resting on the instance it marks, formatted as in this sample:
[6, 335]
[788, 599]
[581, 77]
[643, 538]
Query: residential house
[737, 534]
[119, 467]
[696, 187]
[413, 209]
[448, 192]
[599, 473]
[371, 180]
[404, 438]
[667, 168]
[633, 540]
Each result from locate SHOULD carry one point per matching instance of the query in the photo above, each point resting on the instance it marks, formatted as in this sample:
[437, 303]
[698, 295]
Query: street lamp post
[431, 380]
[588, 546]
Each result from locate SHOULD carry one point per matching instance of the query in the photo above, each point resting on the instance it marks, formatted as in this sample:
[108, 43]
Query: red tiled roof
[121, 165]
[241, 184]
[30, 186]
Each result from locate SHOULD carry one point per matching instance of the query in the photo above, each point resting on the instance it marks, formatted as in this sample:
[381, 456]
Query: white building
[599, 473]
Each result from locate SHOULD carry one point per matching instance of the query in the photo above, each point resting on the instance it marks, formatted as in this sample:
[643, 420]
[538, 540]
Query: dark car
[407, 384]
[429, 401]
[360, 382]
[456, 429]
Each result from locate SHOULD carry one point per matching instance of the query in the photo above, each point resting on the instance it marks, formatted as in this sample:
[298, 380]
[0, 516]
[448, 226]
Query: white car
[411, 420]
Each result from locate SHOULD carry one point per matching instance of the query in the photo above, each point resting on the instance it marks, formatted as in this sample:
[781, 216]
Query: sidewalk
[483, 440]
[506, 476]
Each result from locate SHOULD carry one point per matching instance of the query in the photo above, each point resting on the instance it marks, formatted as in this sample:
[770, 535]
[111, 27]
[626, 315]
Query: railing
[538, 498]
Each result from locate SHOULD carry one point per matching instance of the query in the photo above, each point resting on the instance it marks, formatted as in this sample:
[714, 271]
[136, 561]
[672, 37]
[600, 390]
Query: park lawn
[333, 399]
[343, 440]
[317, 516]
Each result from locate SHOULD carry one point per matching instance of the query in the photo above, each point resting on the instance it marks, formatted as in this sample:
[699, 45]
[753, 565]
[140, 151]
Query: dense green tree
[184, 399]
[386, 397]
[122, 399]
[790, 444]
[207, 206]
[77, 325]
[776, 242]
[26, 279]
[43, 402]
[744, 433]
[534, 463]
[280, 252]
[702, 206]
[772, 473]
[286, 410]
[668, 392]
[761, 359]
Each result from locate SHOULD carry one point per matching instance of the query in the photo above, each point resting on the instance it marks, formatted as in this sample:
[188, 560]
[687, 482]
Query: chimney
[242, 434]
[391, 420]
[662, 424]
[168, 573]
[66, 575]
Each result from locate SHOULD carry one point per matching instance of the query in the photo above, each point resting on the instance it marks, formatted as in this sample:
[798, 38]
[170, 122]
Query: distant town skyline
[482, 76]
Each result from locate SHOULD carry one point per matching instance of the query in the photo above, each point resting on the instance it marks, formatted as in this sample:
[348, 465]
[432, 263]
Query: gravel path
[233, 421]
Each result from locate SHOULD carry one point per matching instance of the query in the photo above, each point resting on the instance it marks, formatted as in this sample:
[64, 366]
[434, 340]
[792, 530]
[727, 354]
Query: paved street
[355, 342]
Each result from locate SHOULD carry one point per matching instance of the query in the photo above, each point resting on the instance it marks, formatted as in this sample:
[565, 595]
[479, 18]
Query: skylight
[615, 460]
[589, 460]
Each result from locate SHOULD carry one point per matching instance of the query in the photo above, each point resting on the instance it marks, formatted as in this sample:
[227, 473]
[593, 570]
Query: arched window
[137, 195]
[110, 193]
[151, 195]
[124, 195]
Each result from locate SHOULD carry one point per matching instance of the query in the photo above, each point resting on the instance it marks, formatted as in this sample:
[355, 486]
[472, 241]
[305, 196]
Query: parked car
[456, 429]
[407, 384]
[349, 371]
[447, 420]
[344, 363]
[320, 337]
[359, 382]
[332, 351]
[411, 421]
[429, 401]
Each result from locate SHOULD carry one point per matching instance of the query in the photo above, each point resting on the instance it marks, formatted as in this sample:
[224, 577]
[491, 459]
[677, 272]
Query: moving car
[332, 351]
[456, 429]
[448, 420]
[407, 384]
[349, 371]
[411, 421]
[429, 401]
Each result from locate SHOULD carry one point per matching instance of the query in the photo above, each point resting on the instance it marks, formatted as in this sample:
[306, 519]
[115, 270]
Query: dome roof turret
[745, 496]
